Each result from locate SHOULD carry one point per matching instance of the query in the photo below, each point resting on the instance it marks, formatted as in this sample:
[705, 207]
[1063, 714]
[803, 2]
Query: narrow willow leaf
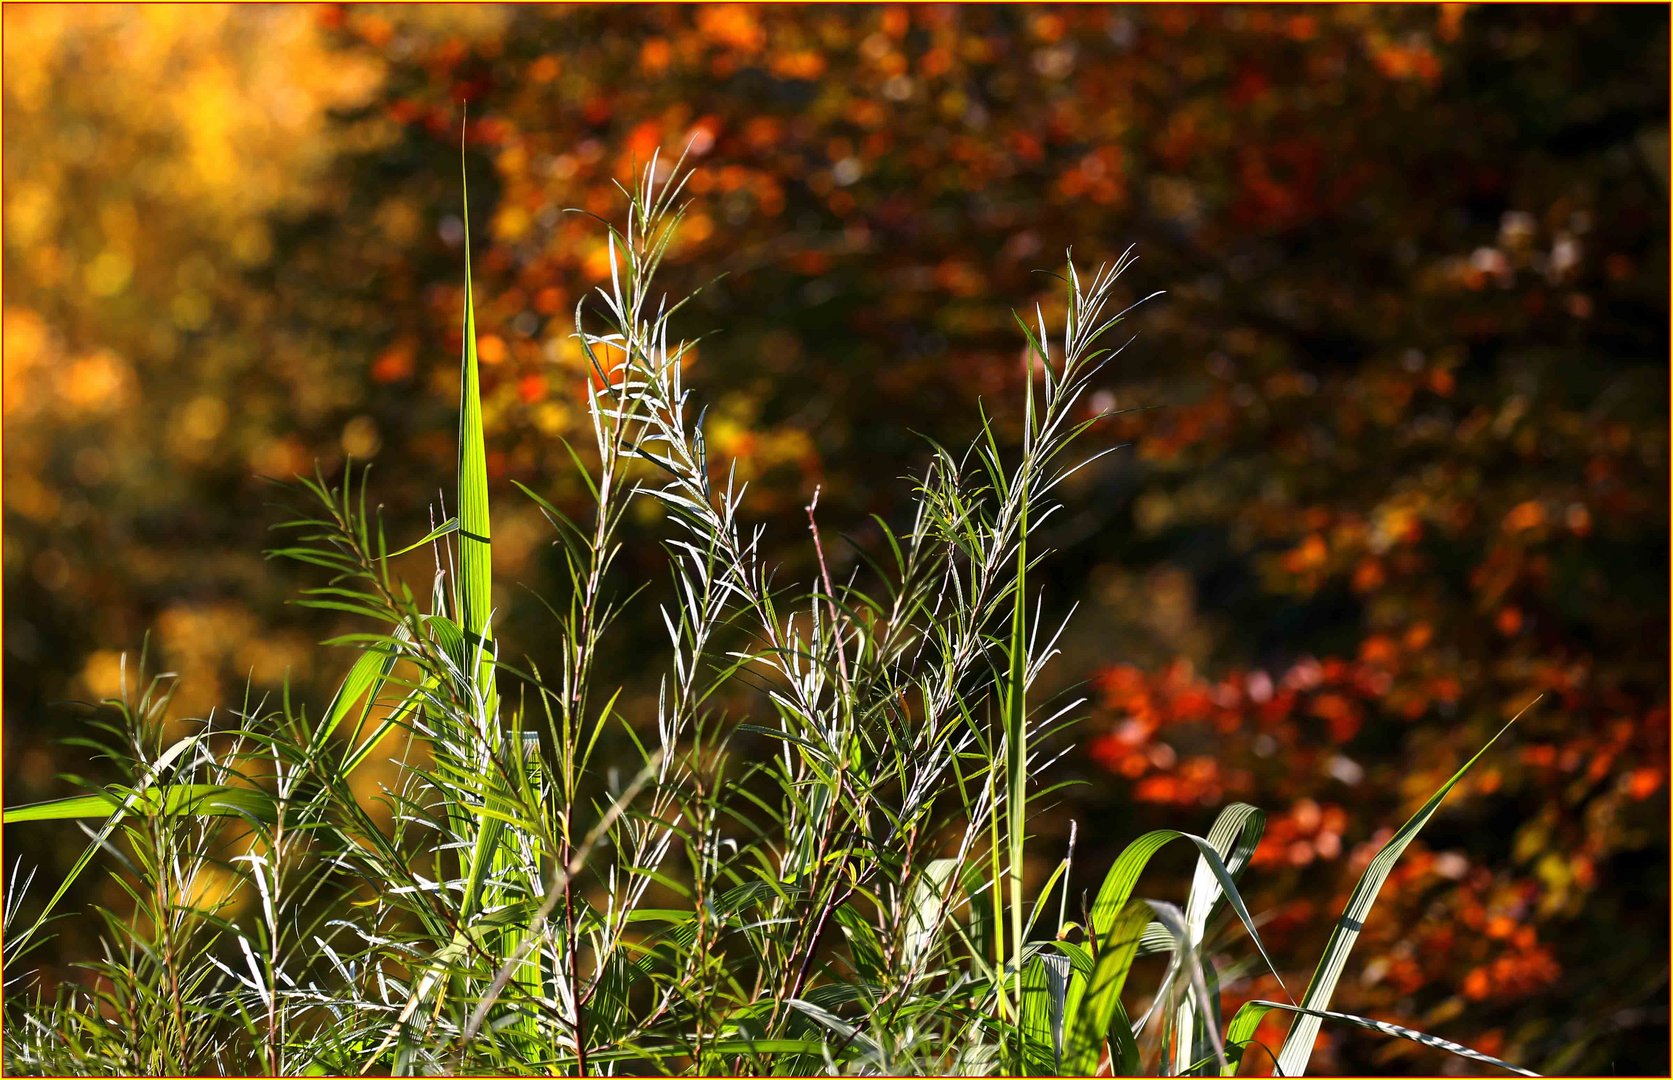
[1298, 1045]
[397, 715]
[446, 528]
[864, 950]
[364, 680]
[928, 906]
[766, 1046]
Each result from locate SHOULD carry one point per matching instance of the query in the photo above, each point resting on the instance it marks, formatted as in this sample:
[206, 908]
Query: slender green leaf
[1117, 947]
[1298, 1045]
[1234, 836]
[1124, 875]
[1045, 990]
[446, 528]
[475, 592]
[363, 682]
[207, 800]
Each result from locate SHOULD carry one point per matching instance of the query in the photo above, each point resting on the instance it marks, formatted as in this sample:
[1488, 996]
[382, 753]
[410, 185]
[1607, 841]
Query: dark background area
[1396, 462]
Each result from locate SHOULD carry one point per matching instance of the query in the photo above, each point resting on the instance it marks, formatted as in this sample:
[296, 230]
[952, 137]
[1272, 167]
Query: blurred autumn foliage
[1399, 428]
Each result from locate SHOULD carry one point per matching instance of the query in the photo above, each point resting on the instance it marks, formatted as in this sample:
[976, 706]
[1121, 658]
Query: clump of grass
[851, 900]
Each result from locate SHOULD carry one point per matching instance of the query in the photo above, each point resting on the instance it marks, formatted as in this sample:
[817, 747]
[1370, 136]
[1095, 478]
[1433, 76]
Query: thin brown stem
[830, 592]
[574, 963]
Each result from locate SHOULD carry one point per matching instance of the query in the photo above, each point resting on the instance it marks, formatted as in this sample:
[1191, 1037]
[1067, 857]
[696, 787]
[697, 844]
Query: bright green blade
[1235, 834]
[475, 547]
[1124, 1051]
[363, 682]
[208, 800]
[1124, 875]
[1016, 711]
[475, 589]
[475, 594]
[446, 528]
[1298, 1045]
[1042, 1006]
[1101, 1002]
[397, 715]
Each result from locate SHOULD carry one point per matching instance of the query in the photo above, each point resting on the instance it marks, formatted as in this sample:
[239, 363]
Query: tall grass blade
[1101, 1004]
[475, 591]
[1241, 1032]
[208, 800]
[1016, 695]
[1298, 1045]
[1234, 835]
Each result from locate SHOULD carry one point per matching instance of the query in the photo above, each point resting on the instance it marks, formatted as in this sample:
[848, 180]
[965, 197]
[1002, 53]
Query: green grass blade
[865, 951]
[1124, 1048]
[1298, 1045]
[1016, 719]
[475, 588]
[364, 680]
[1045, 989]
[1124, 1045]
[1242, 1030]
[206, 800]
[475, 545]
[1235, 834]
[1101, 1002]
[1118, 885]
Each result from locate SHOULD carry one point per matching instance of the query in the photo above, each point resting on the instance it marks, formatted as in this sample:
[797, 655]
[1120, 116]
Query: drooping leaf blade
[1242, 1030]
[1124, 874]
[208, 800]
